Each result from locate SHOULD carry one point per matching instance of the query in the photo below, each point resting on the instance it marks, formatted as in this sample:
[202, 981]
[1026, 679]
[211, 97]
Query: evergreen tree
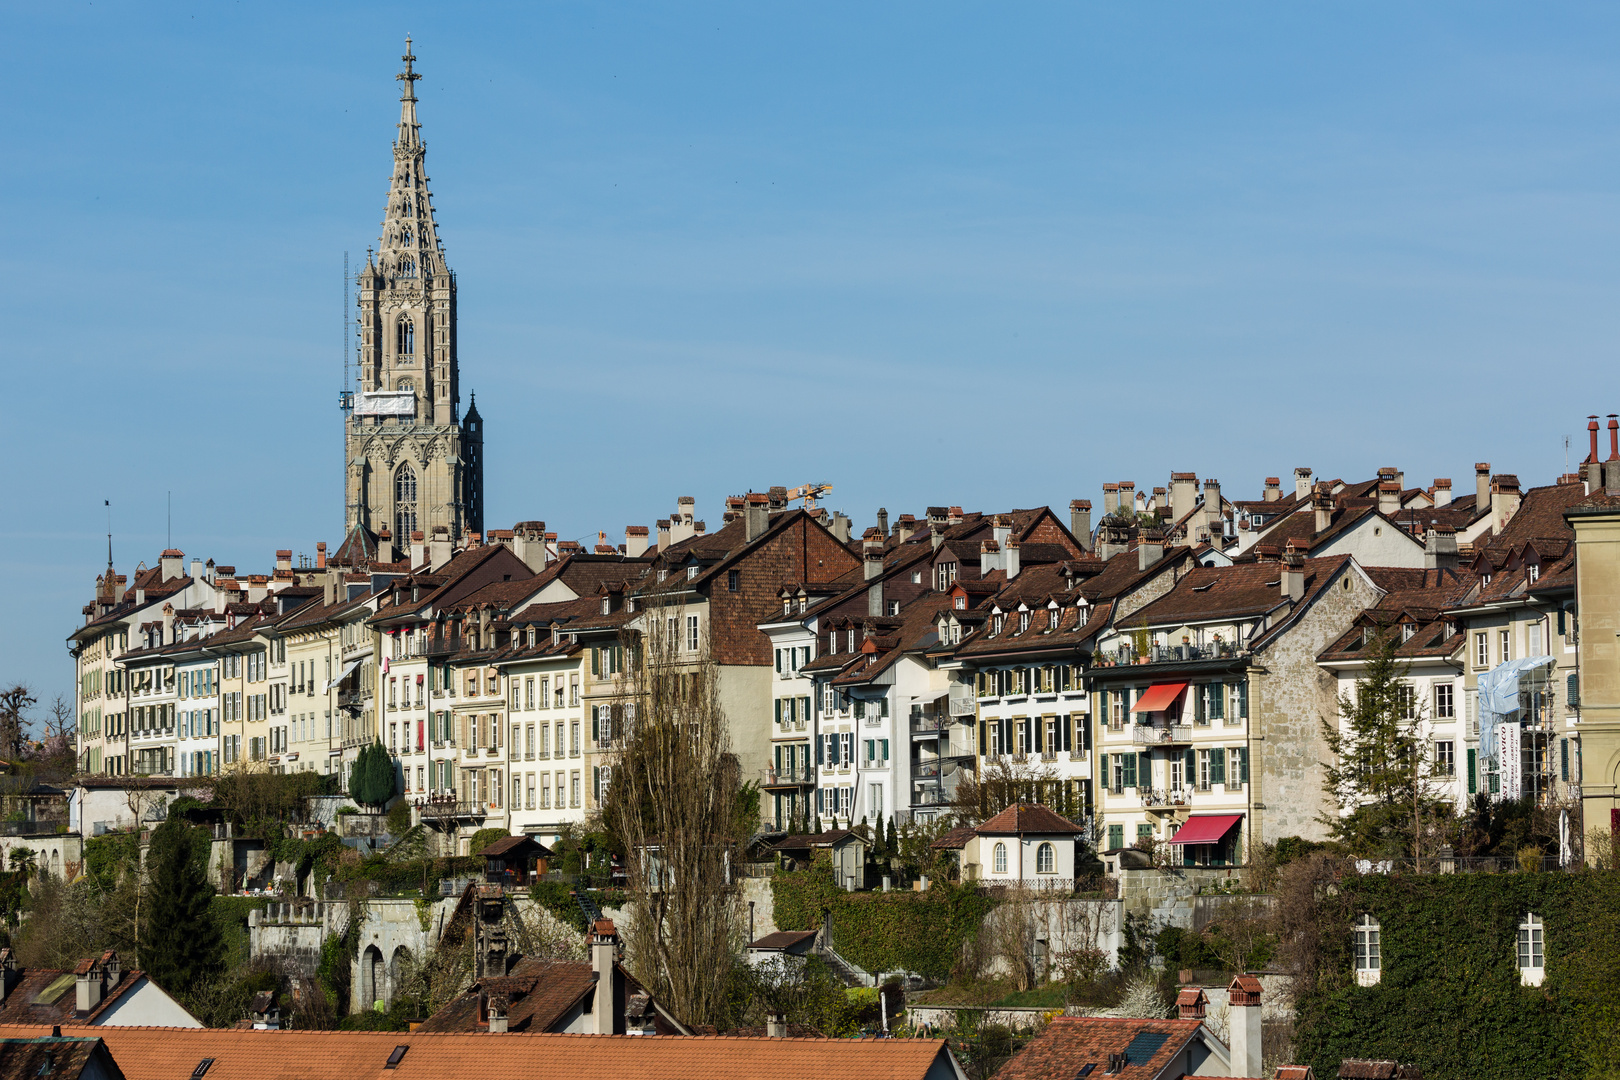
[892, 844]
[180, 944]
[1379, 773]
[371, 779]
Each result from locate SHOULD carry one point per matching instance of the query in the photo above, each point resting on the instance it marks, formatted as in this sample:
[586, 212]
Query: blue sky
[987, 255]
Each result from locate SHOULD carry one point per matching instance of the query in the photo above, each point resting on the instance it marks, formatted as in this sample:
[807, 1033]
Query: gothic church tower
[414, 463]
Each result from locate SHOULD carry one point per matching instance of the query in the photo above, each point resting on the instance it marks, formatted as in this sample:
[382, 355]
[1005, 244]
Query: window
[1506, 650]
[1444, 703]
[1482, 651]
[1369, 960]
[944, 576]
[405, 337]
[1116, 837]
[1406, 701]
[1046, 859]
[404, 504]
[1000, 858]
[691, 633]
[733, 580]
[1532, 957]
[1445, 758]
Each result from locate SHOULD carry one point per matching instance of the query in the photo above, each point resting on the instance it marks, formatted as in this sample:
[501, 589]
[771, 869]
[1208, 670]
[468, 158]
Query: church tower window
[405, 502]
[407, 333]
[407, 268]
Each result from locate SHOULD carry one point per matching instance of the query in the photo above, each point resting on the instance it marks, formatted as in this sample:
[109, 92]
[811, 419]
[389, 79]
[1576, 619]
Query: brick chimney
[904, 527]
[1611, 467]
[284, 559]
[1243, 1017]
[1080, 522]
[1302, 483]
[1273, 491]
[1592, 467]
[320, 554]
[989, 557]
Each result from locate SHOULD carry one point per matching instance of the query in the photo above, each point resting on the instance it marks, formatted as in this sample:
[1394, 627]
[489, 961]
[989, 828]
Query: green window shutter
[1243, 699]
[860, 710]
[1572, 690]
[1198, 701]
[1561, 629]
[1037, 724]
[1217, 701]
[1244, 751]
[884, 744]
[885, 706]
[1563, 753]
[1102, 770]
[778, 751]
[1217, 765]
[1130, 770]
[596, 661]
[1102, 706]
[984, 747]
[596, 722]
[1190, 767]
[1116, 837]
[1144, 770]
[779, 711]
[871, 749]
[779, 661]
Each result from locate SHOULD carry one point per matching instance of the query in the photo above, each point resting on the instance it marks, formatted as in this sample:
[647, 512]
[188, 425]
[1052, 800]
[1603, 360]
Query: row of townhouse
[1162, 677]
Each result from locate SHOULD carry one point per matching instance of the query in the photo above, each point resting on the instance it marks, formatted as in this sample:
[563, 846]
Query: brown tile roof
[47, 996]
[166, 1053]
[955, 839]
[1070, 1043]
[56, 1058]
[782, 939]
[1540, 514]
[542, 993]
[1238, 591]
[1020, 820]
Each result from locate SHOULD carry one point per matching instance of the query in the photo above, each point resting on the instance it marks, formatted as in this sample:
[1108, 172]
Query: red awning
[1159, 697]
[1206, 829]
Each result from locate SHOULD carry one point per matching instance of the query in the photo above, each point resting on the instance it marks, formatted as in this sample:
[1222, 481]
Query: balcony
[1154, 799]
[350, 699]
[1157, 735]
[802, 776]
[448, 806]
[928, 726]
[929, 796]
[1124, 655]
[962, 702]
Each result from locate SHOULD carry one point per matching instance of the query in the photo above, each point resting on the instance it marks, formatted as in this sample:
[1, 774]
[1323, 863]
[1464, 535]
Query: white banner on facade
[386, 403]
[1508, 762]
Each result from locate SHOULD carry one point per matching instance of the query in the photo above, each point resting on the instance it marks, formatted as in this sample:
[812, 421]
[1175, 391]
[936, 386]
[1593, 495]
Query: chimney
[1000, 530]
[989, 557]
[1293, 574]
[1213, 516]
[840, 526]
[1322, 503]
[1505, 497]
[1009, 559]
[756, 517]
[385, 546]
[776, 1026]
[111, 965]
[1183, 493]
[604, 941]
[1243, 1018]
[904, 527]
[1127, 496]
[1302, 483]
[171, 563]
[1440, 548]
[635, 541]
[777, 497]
[683, 525]
[1191, 1003]
[872, 554]
[496, 1006]
[1389, 498]
[1592, 467]
[1611, 467]
[263, 1013]
[320, 554]
[883, 520]
[1441, 491]
[1482, 485]
[529, 543]
[88, 985]
[1110, 499]
[1158, 499]
[1080, 522]
[197, 570]
[284, 559]
[440, 550]
[1149, 548]
[663, 533]
[1273, 489]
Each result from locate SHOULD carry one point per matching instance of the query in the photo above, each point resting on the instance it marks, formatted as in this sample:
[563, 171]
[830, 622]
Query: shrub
[485, 837]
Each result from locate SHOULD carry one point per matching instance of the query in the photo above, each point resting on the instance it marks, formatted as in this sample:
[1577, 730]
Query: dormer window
[996, 624]
[1535, 571]
[662, 574]
[1407, 630]
[960, 604]
[1023, 621]
[607, 605]
[691, 572]
[1052, 616]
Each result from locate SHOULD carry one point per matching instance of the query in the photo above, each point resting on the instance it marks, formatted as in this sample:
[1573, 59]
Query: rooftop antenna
[108, 504]
[171, 519]
[1566, 453]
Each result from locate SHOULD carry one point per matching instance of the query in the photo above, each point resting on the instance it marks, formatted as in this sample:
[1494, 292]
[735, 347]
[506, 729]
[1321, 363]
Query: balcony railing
[929, 796]
[1173, 797]
[1155, 735]
[962, 701]
[802, 776]
[923, 724]
[1171, 654]
[450, 806]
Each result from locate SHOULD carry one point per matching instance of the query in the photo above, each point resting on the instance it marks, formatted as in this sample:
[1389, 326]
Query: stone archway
[399, 965]
[373, 979]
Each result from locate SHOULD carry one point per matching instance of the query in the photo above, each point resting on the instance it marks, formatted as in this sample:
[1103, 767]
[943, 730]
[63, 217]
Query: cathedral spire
[410, 132]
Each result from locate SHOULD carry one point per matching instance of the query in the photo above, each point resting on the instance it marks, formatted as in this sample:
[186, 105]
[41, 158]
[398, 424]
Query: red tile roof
[1020, 820]
[166, 1053]
[1070, 1043]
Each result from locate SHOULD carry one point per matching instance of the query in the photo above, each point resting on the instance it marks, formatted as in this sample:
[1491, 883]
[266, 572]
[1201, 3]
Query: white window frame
[1368, 951]
[1531, 953]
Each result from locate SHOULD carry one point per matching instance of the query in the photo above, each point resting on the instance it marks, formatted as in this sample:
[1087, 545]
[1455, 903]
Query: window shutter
[1561, 630]
[821, 749]
[1102, 769]
[1243, 699]
[779, 712]
[1473, 765]
[1217, 765]
[1189, 769]
[1572, 690]
[1563, 753]
[779, 661]
[1102, 706]
[1035, 738]
[983, 746]
[1130, 770]
[596, 661]
[1145, 768]
[778, 751]
[884, 745]
[1198, 701]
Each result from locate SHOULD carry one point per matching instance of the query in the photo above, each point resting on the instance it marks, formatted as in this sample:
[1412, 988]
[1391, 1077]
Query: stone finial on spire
[409, 129]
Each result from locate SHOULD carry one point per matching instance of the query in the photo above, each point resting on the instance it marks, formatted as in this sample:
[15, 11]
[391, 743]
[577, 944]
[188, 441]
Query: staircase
[587, 907]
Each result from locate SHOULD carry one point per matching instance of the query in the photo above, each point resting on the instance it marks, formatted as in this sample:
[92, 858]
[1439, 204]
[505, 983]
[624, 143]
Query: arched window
[1532, 952]
[1046, 859]
[1369, 957]
[406, 344]
[1000, 857]
[404, 503]
[405, 237]
[407, 268]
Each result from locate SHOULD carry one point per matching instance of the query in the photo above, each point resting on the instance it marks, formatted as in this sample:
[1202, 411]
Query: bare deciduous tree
[673, 801]
[999, 784]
